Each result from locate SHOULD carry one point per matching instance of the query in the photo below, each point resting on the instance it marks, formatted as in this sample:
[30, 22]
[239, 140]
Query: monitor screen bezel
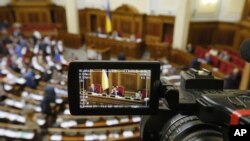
[74, 95]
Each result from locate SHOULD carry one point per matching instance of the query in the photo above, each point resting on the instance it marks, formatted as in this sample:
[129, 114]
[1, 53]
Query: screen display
[114, 88]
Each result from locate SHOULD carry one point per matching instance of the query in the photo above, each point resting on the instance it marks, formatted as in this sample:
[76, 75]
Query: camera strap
[237, 114]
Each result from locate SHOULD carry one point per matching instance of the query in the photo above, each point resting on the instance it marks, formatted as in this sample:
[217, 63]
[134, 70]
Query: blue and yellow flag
[108, 19]
[105, 80]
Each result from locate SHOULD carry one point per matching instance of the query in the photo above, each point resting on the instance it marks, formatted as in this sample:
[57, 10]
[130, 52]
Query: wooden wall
[94, 19]
[130, 81]
[127, 21]
[242, 34]
[31, 12]
[70, 40]
[83, 20]
[201, 32]
[58, 16]
[7, 14]
[157, 27]
[205, 33]
[34, 13]
[219, 33]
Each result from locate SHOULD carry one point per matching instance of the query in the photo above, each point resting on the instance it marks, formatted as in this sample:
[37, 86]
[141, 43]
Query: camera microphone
[245, 50]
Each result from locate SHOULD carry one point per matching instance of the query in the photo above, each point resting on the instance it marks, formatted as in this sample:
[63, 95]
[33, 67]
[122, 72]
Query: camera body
[200, 109]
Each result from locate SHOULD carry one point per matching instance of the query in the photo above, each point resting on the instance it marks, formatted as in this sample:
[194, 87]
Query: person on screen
[92, 88]
[138, 95]
[119, 92]
[115, 34]
[113, 91]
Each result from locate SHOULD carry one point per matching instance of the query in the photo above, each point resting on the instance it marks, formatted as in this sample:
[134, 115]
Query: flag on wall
[108, 19]
[105, 80]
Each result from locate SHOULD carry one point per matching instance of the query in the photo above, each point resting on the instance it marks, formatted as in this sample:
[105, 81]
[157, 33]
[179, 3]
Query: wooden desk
[130, 49]
[112, 100]
[79, 134]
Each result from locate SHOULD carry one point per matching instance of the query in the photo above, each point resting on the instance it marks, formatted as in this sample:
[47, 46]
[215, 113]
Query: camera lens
[190, 128]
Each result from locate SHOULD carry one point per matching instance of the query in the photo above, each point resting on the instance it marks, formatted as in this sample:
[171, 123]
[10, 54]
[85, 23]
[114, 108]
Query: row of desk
[131, 49]
[99, 98]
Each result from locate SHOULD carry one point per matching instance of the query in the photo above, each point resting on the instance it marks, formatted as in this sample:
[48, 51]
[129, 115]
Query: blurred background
[40, 37]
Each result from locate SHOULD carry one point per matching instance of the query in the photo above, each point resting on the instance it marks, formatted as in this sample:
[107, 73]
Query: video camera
[198, 110]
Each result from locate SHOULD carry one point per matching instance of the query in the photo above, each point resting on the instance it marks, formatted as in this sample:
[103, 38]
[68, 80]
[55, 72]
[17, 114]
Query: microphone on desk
[245, 50]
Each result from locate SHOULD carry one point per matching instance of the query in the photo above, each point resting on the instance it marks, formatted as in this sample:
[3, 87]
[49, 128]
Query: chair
[215, 61]
[143, 93]
[237, 61]
[229, 68]
[98, 88]
[120, 90]
[223, 67]
[200, 52]
[226, 67]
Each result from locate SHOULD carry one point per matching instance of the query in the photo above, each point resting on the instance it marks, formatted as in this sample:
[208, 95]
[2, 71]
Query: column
[181, 27]
[245, 78]
[72, 17]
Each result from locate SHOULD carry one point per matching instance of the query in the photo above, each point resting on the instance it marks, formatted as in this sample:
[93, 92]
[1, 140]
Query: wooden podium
[104, 53]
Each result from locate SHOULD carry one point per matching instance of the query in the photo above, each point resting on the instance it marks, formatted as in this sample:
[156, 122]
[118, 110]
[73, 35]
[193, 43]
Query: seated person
[132, 38]
[224, 56]
[213, 52]
[189, 48]
[115, 34]
[92, 88]
[232, 81]
[59, 46]
[138, 95]
[99, 31]
[208, 58]
[119, 91]
[195, 63]
[113, 91]
[36, 36]
[38, 64]
[30, 79]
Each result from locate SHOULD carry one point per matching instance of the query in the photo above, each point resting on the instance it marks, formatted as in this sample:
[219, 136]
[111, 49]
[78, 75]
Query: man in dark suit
[48, 104]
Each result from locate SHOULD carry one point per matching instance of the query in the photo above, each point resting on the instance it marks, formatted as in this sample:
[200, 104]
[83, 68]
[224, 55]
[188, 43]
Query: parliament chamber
[39, 38]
